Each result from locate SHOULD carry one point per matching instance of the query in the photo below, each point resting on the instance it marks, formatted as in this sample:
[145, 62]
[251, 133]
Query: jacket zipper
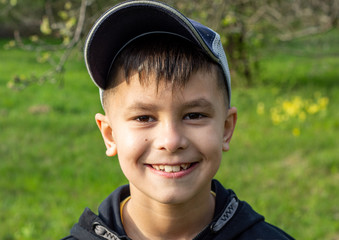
[104, 232]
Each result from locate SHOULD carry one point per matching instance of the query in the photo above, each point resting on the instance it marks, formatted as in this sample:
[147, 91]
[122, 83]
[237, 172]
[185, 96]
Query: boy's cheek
[130, 144]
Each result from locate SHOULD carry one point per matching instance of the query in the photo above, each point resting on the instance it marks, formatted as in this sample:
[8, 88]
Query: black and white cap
[129, 20]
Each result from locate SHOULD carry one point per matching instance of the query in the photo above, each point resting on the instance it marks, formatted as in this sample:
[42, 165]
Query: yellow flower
[63, 15]
[44, 57]
[290, 108]
[296, 132]
[313, 109]
[44, 27]
[302, 116]
[228, 20]
[66, 40]
[34, 38]
[298, 102]
[68, 5]
[275, 116]
[13, 2]
[260, 108]
[71, 22]
[10, 84]
[11, 43]
[295, 108]
[323, 102]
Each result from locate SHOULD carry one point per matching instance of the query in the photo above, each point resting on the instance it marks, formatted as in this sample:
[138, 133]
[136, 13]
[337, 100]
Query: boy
[165, 89]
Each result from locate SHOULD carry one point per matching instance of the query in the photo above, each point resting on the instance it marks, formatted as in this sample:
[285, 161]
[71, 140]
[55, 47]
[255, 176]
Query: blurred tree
[23, 16]
[244, 26]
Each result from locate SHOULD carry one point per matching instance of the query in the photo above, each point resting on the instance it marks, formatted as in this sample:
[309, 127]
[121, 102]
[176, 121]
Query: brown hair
[168, 57]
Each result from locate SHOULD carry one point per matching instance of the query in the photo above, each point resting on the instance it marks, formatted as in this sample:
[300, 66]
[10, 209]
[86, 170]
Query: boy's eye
[190, 116]
[144, 119]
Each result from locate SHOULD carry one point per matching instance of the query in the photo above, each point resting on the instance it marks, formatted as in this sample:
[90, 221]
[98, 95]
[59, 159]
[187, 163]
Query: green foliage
[53, 161]
[65, 20]
[244, 26]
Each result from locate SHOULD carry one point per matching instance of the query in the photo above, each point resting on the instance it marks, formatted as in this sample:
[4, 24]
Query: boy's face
[169, 143]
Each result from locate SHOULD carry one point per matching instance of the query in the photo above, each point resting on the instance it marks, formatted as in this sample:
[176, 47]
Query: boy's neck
[152, 220]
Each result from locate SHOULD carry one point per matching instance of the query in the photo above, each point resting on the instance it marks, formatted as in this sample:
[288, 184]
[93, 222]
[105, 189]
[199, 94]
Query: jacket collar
[230, 216]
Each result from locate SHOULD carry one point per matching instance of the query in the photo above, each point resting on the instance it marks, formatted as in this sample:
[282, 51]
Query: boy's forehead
[201, 85]
[137, 80]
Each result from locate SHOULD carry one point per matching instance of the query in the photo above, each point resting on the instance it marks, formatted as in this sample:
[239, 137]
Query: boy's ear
[107, 134]
[230, 122]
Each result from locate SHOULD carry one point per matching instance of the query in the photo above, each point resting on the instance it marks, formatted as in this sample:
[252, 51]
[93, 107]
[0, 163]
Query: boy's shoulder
[233, 219]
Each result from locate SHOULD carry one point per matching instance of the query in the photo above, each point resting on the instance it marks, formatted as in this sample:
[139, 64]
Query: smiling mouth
[172, 168]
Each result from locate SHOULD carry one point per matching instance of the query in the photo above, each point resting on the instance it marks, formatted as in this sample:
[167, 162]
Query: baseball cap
[130, 20]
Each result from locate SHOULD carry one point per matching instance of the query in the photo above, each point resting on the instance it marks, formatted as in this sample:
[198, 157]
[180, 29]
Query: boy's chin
[173, 199]
[176, 194]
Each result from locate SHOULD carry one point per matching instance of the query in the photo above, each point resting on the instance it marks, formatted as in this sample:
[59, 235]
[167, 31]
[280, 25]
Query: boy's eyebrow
[142, 106]
[201, 102]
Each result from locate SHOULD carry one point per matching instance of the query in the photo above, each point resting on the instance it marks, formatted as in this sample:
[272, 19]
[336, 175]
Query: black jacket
[233, 219]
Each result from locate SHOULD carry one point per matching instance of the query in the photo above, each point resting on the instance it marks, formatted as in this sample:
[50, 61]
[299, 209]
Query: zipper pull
[104, 232]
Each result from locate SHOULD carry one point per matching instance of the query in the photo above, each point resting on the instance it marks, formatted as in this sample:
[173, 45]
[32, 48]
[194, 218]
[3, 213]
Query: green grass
[53, 161]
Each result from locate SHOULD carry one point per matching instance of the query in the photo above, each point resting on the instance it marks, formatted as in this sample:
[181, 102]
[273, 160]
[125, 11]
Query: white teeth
[175, 168]
[168, 168]
[156, 167]
[171, 168]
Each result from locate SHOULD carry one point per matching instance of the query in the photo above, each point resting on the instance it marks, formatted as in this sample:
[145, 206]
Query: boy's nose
[171, 138]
